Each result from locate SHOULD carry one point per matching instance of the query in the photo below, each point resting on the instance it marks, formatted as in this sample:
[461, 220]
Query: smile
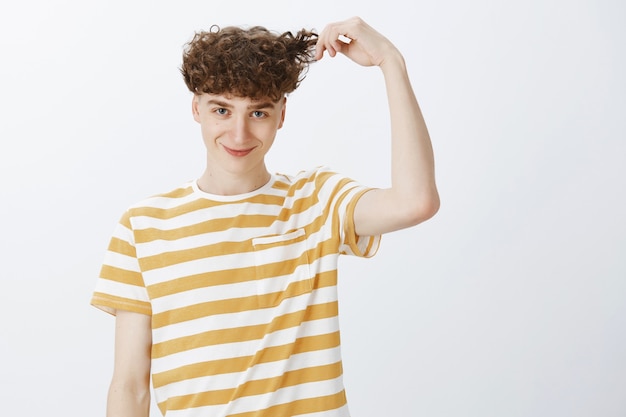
[238, 152]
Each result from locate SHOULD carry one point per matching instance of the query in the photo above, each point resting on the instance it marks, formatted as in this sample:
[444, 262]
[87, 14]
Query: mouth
[237, 152]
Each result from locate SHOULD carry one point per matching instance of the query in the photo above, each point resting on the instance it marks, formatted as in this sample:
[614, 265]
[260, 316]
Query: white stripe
[214, 263]
[289, 394]
[238, 349]
[199, 216]
[257, 372]
[121, 261]
[258, 402]
[159, 246]
[245, 318]
[227, 291]
[206, 265]
[123, 233]
[117, 289]
[163, 202]
[340, 412]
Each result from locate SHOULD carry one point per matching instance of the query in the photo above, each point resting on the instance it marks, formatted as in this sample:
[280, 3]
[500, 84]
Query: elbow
[433, 207]
[422, 208]
[130, 393]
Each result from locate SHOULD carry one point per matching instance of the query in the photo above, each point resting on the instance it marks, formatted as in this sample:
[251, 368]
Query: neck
[232, 185]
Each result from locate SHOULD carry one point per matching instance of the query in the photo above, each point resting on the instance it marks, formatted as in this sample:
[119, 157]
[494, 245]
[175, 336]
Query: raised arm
[412, 197]
[129, 392]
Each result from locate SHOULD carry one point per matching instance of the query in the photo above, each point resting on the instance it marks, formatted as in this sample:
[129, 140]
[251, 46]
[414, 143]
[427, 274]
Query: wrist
[392, 62]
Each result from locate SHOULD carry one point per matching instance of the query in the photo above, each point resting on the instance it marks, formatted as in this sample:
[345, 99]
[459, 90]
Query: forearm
[128, 400]
[412, 160]
[412, 197]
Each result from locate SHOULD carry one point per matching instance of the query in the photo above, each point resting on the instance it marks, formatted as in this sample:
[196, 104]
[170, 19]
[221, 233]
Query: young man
[224, 289]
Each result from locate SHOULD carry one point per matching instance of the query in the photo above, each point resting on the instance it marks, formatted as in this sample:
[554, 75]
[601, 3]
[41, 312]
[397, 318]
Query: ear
[195, 111]
[282, 113]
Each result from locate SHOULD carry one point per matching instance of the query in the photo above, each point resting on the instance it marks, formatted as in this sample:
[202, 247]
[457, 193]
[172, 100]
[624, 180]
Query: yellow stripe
[350, 232]
[125, 220]
[283, 267]
[244, 333]
[121, 246]
[298, 407]
[178, 193]
[119, 303]
[148, 235]
[203, 280]
[218, 249]
[240, 364]
[236, 305]
[299, 206]
[121, 275]
[298, 185]
[164, 259]
[210, 226]
[281, 185]
[171, 212]
[257, 387]
[200, 204]
[233, 276]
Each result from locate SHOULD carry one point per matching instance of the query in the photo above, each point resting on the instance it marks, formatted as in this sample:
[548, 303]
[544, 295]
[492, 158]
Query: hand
[357, 40]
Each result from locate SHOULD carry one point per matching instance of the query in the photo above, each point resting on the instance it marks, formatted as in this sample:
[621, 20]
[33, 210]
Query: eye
[221, 111]
[258, 114]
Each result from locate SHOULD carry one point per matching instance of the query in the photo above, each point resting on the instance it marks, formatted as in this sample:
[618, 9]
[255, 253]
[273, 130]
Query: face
[237, 132]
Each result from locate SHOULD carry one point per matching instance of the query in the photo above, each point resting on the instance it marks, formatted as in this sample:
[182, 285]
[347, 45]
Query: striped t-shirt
[242, 291]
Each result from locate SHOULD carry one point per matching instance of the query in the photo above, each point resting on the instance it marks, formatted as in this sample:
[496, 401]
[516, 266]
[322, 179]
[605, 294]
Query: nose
[240, 130]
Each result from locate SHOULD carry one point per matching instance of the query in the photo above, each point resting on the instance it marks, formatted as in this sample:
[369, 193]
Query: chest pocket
[282, 267]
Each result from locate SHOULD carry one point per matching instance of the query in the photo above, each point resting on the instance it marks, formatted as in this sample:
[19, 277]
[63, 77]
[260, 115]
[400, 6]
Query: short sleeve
[352, 243]
[120, 285]
[343, 194]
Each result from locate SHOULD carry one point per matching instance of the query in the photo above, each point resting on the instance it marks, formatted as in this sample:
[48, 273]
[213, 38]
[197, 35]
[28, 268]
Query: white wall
[510, 302]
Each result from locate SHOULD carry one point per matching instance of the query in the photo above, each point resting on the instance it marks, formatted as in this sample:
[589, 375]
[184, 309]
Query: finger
[319, 50]
[346, 30]
[332, 40]
[327, 44]
[320, 47]
[339, 46]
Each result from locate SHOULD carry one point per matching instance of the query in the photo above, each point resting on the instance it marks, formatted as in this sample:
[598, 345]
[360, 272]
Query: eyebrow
[254, 106]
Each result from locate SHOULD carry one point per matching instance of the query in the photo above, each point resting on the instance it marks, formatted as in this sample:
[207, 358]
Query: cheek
[269, 133]
[210, 132]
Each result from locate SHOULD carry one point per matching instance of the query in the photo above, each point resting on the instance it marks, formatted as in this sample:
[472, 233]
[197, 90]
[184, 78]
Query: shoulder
[318, 175]
[320, 183]
[162, 202]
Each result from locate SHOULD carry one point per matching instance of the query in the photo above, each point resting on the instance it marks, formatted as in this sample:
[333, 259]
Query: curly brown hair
[253, 62]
